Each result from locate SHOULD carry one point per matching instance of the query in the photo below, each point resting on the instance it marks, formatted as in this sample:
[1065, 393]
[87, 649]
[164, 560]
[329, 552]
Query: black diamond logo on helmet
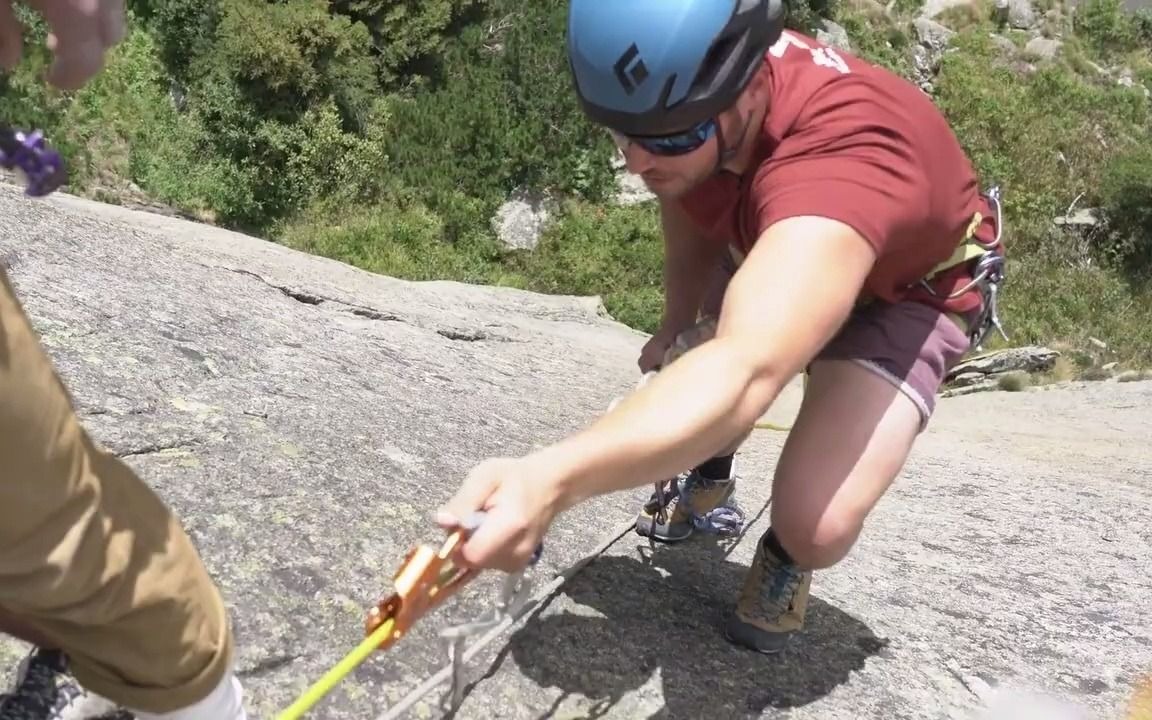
[630, 70]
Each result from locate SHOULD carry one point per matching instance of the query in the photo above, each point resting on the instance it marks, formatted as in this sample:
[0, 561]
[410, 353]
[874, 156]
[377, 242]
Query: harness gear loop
[987, 272]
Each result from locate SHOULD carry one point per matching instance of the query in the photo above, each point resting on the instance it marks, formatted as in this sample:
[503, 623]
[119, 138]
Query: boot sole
[749, 641]
[645, 528]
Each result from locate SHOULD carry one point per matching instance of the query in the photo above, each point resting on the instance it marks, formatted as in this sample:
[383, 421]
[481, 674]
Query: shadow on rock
[666, 614]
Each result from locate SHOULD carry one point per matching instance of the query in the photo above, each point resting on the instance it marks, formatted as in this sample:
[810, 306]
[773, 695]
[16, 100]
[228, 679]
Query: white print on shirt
[824, 56]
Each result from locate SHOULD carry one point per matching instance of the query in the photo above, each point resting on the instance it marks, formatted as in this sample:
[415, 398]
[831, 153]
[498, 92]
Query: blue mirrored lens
[679, 143]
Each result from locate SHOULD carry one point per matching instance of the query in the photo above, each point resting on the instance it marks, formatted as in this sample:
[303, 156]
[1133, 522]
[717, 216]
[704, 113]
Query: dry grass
[1015, 382]
[1094, 374]
[1062, 369]
[1134, 376]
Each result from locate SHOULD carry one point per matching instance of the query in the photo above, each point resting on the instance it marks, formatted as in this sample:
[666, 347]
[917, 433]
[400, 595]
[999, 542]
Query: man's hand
[652, 354]
[80, 32]
[520, 500]
[792, 293]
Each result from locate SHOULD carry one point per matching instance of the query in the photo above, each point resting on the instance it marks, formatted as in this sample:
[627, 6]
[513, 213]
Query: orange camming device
[427, 577]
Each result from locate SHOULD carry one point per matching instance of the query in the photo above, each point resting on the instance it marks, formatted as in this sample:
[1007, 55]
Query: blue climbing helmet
[659, 67]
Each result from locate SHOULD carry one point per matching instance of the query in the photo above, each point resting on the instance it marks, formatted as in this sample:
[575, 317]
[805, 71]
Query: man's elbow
[761, 374]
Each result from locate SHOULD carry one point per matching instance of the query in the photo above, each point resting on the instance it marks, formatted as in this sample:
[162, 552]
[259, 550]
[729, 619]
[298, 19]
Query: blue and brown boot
[689, 503]
[772, 603]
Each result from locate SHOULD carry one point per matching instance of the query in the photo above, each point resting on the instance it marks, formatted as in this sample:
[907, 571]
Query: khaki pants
[90, 558]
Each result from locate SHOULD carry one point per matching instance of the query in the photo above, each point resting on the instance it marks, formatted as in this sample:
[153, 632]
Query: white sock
[225, 702]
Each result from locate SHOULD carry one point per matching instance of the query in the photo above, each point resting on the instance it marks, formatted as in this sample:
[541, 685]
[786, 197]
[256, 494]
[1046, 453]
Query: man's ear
[757, 93]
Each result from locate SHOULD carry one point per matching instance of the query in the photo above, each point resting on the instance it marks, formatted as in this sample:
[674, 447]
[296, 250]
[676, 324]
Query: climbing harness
[726, 520]
[425, 580]
[988, 274]
[29, 155]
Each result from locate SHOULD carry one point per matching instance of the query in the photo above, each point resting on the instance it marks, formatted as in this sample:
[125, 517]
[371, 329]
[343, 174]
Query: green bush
[1109, 30]
[807, 16]
[1126, 193]
[387, 132]
[503, 116]
[405, 242]
[614, 252]
[1053, 140]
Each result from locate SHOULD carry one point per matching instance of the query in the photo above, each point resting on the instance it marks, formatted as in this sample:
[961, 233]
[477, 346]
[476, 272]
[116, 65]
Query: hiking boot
[693, 502]
[772, 603]
[45, 690]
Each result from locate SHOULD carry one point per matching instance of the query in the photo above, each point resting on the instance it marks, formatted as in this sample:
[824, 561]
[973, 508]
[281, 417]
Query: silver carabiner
[514, 593]
[990, 270]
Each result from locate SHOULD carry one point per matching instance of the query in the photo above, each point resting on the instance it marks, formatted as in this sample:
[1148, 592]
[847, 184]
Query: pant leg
[90, 558]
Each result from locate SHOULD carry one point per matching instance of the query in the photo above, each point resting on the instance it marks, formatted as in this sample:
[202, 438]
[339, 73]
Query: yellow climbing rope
[330, 679]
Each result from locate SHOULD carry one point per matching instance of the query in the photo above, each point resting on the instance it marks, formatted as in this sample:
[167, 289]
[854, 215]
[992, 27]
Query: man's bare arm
[688, 259]
[792, 293]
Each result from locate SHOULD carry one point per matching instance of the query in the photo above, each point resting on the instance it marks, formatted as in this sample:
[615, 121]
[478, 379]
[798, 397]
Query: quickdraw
[29, 155]
[425, 580]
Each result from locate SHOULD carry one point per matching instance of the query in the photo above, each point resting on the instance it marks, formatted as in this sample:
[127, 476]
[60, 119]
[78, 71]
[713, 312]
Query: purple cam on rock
[28, 154]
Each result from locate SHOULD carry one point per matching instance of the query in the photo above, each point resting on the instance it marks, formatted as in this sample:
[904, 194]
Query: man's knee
[162, 641]
[169, 642]
[816, 540]
[142, 622]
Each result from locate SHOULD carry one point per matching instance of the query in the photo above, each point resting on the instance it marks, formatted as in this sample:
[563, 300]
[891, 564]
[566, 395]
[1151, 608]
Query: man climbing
[850, 227]
[94, 569]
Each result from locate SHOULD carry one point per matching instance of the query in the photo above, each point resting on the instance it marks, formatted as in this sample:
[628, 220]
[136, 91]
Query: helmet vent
[724, 54]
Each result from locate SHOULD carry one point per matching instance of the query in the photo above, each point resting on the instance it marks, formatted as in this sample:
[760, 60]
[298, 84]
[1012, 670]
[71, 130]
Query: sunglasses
[680, 143]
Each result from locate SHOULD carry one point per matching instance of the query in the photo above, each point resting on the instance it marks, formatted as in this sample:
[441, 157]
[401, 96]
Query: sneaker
[45, 690]
[693, 502]
[772, 603]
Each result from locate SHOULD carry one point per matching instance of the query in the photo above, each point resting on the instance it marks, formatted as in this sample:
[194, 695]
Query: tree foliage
[386, 132]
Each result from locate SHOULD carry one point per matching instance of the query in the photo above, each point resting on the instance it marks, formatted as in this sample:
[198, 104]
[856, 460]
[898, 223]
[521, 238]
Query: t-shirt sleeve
[851, 158]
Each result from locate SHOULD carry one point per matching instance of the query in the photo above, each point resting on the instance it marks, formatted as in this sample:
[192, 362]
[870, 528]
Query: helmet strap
[726, 153]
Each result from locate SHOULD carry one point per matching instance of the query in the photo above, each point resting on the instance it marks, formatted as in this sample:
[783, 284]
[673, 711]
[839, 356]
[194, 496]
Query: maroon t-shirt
[851, 141]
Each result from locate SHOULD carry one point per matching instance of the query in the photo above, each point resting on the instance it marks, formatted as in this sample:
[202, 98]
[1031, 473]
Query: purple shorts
[909, 344]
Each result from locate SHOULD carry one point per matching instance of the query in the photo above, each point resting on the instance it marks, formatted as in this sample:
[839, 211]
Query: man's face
[669, 176]
[673, 165]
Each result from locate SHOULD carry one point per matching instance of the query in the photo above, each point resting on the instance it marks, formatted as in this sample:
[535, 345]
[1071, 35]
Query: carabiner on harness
[988, 275]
